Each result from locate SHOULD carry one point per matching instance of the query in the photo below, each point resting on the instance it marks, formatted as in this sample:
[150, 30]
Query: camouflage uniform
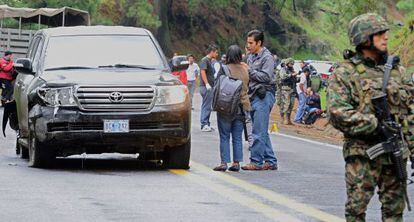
[350, 110]
[279, 86]
[288, 82]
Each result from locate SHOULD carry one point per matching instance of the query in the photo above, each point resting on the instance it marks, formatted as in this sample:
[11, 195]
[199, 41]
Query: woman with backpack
[233, 125]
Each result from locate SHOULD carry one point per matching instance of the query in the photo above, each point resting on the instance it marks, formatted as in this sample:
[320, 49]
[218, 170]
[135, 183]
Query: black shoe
[235, 167]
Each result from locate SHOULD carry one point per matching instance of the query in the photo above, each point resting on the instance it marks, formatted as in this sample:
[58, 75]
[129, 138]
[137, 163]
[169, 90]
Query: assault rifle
[391, 131]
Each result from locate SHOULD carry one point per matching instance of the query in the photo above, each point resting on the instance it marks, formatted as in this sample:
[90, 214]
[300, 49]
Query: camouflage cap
[363, 26]
[289, 60]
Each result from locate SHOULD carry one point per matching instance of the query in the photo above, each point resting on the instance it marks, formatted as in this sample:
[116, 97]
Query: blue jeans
[262, 150]
[6, 89]
[191, 88]
[206, 108]
[233, 128]
[301, 107]
[309, 109]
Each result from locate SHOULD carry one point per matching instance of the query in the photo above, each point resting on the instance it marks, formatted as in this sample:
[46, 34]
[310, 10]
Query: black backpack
[226, 93]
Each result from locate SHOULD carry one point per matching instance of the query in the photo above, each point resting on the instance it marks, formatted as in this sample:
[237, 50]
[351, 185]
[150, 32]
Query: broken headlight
[170, 95]
[57, 96]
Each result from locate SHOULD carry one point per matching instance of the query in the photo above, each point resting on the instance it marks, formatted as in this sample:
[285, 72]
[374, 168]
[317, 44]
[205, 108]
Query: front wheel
[22, 151]
[39, 155]
[178, 157]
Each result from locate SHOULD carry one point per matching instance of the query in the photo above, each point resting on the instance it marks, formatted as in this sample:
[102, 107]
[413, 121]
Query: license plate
[116, 126]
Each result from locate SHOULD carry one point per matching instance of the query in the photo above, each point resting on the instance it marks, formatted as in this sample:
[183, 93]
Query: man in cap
[6, 77]
[279, 88]
[353, 94]
[288, 82]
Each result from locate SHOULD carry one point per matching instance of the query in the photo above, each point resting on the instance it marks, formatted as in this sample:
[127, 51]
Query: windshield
[102, 51]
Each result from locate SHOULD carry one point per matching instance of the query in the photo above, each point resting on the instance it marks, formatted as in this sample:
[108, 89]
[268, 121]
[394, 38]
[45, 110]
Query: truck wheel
[178, 157]
[39, 155]
[21, 151]
[17, 148]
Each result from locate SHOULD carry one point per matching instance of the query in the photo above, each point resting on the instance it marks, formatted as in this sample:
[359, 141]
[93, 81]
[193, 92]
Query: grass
[319, 30]
[322, 94]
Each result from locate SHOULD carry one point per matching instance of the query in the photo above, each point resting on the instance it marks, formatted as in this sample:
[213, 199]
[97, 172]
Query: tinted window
[33, 47]
[94, 51]
[36, 54]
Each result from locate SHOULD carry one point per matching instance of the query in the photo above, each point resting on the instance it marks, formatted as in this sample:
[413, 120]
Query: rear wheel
[39, 155]
[21, 151]
[178, 157]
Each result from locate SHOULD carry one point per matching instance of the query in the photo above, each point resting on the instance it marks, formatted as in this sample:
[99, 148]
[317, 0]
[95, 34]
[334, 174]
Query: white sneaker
[206, 128]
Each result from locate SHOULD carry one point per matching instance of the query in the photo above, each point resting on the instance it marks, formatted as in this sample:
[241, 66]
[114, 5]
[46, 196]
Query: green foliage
[406, 5]
[142, 11]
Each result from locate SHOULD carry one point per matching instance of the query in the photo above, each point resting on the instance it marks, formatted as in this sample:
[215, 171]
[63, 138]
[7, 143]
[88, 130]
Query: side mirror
[24, 66]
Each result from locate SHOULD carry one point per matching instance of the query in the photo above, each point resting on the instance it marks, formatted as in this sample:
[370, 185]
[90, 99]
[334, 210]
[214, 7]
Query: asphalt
[309, 186]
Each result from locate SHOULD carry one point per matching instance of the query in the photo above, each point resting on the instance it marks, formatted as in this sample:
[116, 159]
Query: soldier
[288, 82]
[352, 88]
[279, 88]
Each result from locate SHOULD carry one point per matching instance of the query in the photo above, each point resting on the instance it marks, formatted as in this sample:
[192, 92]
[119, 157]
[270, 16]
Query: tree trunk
[294, 5]
[163, 33]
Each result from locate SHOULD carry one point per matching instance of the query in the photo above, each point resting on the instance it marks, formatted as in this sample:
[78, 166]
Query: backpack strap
[226, 70]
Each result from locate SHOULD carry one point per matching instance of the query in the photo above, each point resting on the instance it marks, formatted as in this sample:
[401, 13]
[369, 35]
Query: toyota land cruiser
[100, 89]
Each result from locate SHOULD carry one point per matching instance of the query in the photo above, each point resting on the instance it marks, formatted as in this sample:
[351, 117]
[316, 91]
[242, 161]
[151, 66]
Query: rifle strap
[387, 73]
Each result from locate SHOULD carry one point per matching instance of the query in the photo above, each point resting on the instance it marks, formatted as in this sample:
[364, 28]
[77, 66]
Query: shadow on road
[92, 164]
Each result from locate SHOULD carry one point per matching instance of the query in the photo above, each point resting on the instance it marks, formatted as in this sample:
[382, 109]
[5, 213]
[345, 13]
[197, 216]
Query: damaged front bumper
[69, 131]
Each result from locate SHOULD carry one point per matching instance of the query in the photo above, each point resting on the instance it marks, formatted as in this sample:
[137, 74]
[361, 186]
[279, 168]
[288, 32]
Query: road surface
[309, 186]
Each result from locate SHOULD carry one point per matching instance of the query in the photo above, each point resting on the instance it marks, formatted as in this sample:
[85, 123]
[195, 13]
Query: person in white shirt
[192, 74]
[301, 87]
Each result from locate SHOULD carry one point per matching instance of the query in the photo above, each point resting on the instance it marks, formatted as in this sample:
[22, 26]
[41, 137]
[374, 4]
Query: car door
[22, 83]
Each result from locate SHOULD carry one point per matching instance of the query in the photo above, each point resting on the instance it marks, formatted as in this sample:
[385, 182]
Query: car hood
[108, 77]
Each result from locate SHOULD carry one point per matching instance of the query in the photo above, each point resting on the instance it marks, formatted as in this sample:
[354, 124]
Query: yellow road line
[271, 213]
[269, 195]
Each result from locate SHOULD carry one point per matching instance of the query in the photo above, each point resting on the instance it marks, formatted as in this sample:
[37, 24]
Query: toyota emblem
[116, 97]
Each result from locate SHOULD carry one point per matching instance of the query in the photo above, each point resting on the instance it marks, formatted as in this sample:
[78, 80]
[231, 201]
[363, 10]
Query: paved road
[308, 187]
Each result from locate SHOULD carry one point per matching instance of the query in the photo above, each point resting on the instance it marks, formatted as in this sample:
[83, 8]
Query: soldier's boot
[288, 119]
[285, 121]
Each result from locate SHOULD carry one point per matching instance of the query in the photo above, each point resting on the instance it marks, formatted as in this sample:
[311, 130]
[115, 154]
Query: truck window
[94, 51]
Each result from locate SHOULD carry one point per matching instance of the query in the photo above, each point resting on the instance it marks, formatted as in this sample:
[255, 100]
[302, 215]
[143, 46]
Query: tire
[39, 155]
[17, 148]
[24, 152]
[178, 157]
[21, 151]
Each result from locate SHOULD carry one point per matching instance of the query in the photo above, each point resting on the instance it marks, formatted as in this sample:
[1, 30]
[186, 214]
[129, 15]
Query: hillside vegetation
[304, 29]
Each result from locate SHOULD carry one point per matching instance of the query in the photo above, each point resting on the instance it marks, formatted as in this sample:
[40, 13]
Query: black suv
[98, 90]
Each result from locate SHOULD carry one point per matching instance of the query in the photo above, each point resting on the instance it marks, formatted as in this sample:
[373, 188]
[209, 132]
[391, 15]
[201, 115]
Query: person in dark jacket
[233, 125]
[6, 77]
[312, 108]
[262, 87]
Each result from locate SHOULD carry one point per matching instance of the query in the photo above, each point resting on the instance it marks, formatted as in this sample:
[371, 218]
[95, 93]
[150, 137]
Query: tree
[130, 12]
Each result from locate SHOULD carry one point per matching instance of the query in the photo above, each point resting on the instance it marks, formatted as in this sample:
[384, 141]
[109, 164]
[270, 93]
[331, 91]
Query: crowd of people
[290, 85]
[265, 80]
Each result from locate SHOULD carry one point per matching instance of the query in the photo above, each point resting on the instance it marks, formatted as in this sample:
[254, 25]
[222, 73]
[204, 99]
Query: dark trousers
[6, 89]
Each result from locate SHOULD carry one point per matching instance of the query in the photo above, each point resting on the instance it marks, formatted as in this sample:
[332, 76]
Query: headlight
[57, 96]
[170, 95]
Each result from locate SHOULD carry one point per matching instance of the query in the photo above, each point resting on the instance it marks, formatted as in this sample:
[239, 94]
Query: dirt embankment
[320, 131]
